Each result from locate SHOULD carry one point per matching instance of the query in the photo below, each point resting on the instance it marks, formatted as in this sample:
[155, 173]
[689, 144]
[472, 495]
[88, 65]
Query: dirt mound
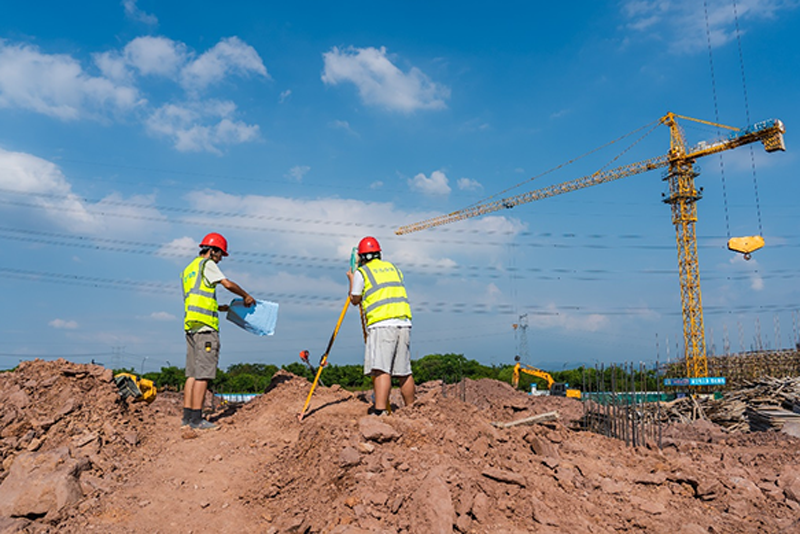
[440, 465]
[63, 426]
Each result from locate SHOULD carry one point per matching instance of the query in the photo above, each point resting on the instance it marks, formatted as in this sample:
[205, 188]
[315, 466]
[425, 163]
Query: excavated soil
[76, 458]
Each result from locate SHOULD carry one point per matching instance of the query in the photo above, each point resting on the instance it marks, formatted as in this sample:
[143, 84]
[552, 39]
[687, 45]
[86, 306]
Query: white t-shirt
[358, 289]
[212, 273]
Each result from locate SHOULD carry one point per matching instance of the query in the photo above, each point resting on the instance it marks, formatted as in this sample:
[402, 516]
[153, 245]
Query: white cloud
[380, 82]
[435, 185]
[331, 233]
[201, 126]
[468, 184]
[756, 282]
[31, 176]
[162, 316]
[183, 248]
[377, 184]
[752, 268]
[156, 55]
[133, 12]
[343, 125]
[63, 324]
[559, 318]
[285, 96]
[42, 185]
[114, 67]
[56, 85]
[297, 172]
[682, 23]
[229, 56]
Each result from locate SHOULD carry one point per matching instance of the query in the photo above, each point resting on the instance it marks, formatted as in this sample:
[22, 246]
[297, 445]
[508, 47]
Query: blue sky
[128, 130]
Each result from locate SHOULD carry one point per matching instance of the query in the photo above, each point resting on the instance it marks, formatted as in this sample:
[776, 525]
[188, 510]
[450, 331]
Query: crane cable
[716, 120]
[747, 116]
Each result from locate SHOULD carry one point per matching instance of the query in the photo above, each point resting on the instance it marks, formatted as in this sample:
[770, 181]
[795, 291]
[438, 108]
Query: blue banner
[700, 381]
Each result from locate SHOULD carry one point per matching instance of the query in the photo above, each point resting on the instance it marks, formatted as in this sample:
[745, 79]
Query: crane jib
[769, 132]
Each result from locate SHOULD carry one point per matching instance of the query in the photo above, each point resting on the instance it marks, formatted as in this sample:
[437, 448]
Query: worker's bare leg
[407, 389]
[199, 394]
[188, 389]
[382, 384]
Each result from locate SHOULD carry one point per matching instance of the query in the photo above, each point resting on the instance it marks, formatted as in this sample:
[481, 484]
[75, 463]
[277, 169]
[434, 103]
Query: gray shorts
[202, 355]
[389, 350]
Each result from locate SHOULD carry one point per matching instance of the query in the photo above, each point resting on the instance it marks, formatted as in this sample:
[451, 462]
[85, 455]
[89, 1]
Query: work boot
[204, 425]
[187, 418]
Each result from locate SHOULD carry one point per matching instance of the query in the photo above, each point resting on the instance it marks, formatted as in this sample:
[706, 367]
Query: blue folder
[259, 319]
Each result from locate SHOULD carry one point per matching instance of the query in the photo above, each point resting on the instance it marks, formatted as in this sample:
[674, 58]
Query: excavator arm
[555, 388]
[518, 368]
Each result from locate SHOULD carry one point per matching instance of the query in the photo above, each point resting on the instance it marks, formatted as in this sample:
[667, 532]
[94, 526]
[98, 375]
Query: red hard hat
[215, 240]
[367, 245]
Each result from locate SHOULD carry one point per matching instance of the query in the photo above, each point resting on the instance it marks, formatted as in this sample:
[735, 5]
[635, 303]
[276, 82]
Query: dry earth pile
[437, 466]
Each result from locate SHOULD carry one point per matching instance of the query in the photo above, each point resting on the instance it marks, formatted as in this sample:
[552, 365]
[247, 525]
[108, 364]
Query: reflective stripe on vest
[199, 298]
[384, 293]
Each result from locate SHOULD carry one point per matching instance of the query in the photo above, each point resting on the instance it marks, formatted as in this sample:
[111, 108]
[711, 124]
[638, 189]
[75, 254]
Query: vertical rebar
[584, 396]
[630, 435]
[642, 402]
[658, 409]
[615, 400]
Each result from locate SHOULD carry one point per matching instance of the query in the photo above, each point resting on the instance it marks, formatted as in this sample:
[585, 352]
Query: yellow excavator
[559, 389]
[140, 389]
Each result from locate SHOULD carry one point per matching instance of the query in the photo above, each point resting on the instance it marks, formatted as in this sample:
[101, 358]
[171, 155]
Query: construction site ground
[76, 458]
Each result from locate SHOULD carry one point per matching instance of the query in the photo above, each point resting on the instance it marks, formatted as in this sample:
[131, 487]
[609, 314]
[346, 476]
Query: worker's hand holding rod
[324, 360]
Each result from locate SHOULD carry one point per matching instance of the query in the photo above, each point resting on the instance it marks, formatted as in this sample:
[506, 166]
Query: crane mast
[682, 198]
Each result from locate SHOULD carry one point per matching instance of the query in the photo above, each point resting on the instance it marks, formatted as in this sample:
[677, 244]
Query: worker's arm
[233, 287]
[355, 300]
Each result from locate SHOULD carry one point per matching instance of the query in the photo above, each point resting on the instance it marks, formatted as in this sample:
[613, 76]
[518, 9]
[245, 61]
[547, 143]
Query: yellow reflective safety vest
[199, 298]
[384, 293]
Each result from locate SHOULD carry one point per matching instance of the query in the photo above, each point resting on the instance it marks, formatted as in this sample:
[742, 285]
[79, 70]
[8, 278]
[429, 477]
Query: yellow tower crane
[682, 198]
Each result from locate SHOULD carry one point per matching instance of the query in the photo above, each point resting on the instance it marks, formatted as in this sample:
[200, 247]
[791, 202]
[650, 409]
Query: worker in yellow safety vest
[377, 286]
[201, 324]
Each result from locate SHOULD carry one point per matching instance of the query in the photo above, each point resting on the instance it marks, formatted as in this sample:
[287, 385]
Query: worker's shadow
[323, 406]
[225, 410]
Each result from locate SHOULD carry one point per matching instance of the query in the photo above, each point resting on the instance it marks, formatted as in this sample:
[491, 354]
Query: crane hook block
[745, 245]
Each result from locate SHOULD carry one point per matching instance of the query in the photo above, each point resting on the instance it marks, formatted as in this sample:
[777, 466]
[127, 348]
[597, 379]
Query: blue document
[260, 318]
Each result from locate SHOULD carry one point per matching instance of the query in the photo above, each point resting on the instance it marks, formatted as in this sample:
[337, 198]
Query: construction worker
[201, 323]
[377, 286]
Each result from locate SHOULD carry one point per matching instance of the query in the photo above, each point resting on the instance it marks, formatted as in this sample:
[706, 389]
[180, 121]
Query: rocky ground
[77, 458]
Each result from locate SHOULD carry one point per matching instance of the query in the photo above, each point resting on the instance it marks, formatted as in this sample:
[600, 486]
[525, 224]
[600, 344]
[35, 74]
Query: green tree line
[451, 368]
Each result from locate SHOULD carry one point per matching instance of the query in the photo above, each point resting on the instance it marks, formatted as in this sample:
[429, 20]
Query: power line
[424, 306]
[139, 247]
[298, 261]
[98, 211]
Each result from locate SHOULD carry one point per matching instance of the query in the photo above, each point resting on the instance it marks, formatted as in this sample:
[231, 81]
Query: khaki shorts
[202, 355]
[388, 350]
